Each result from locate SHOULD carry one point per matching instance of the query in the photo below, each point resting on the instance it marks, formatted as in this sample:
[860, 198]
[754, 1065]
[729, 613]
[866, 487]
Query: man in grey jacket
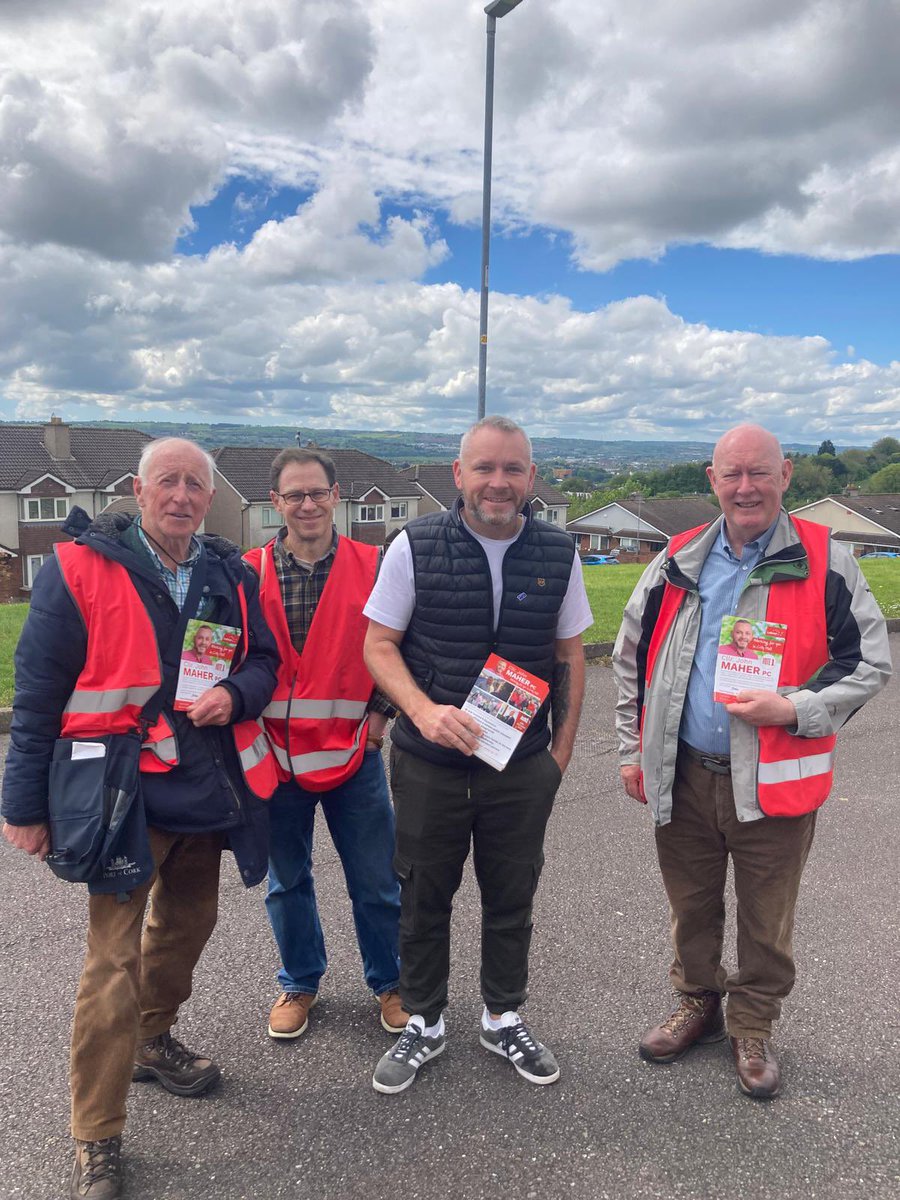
[742, 778]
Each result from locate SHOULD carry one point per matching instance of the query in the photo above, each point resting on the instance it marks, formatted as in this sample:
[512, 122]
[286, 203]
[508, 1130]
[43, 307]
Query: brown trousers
[768, 857]
[132, 985]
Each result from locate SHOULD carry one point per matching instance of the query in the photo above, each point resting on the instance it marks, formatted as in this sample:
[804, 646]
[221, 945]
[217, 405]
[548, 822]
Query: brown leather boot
[98, 1170]
[697, 1020]
[758, 1072]
[179, 1070]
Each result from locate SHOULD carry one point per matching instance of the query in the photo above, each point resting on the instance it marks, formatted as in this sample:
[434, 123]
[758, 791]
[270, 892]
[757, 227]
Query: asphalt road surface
[300, 1119]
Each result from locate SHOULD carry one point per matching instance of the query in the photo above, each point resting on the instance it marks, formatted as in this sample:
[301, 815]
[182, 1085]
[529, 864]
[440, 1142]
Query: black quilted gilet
[452, 630]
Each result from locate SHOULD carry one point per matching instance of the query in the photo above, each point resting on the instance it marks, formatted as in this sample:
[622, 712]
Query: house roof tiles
[247, 469]
[99, 456]
[437, 480]
[668, 515]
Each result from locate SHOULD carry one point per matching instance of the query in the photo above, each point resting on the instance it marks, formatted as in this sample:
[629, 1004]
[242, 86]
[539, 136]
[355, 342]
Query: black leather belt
[719, 764]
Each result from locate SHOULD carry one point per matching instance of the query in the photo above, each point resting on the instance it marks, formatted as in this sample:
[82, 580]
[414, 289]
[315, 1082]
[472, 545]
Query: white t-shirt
[393, 598]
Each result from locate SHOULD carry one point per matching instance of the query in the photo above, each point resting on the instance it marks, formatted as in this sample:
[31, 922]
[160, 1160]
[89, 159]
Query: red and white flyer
[206, 657]
[749, 656]
[504, 701]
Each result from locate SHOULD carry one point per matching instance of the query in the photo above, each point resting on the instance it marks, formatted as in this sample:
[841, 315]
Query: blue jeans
[361, 823]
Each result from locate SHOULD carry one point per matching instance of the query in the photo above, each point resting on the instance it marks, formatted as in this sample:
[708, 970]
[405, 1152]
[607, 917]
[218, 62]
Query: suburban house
[638, 529]
[45, 470]
[435, 480]
[376, 500]
[865, 523]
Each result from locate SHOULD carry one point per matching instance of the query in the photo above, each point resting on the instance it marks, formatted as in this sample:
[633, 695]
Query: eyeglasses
[295, 499]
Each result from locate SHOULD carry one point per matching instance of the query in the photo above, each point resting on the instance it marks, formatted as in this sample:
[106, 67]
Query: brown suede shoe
[393, 1015]
[97, 1173]
[697, 1020]
[290, 1014]
[179, 1070]
[758, 1072]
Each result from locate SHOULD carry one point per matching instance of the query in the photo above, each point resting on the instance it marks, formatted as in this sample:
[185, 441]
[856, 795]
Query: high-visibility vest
[794, 774]
[318, 715]
[123, 669]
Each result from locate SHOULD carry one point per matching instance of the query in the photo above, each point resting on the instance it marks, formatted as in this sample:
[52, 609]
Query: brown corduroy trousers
[768, 857]
[132, 983]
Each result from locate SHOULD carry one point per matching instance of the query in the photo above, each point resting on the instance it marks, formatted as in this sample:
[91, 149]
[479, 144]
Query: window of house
[271, 517]
[552, 514]
[371, 512]
[44, 508]
[33, 564]
[398, 511]
[105, 499]
[632, 545]
[599, 541]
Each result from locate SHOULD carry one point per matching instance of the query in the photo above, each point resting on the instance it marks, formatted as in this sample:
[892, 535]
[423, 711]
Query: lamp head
[499, 8]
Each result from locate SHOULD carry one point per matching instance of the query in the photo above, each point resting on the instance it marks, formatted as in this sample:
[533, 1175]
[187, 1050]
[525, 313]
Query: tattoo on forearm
[560, 693]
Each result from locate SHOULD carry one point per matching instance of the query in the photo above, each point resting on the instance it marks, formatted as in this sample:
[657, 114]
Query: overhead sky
[269, 211]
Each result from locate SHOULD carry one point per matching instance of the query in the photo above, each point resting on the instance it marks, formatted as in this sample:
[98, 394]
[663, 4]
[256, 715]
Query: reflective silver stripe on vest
[109, 702]
[322, 760]
[317, 710]
[305, 764]
[166, 749]
[255, 753]
[792, 770]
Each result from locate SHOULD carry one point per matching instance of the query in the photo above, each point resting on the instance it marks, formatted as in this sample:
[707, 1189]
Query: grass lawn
[883, 577]
[11, 618]
[608, 591]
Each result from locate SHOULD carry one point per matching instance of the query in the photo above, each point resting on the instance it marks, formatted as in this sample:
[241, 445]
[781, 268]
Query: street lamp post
[498, 8]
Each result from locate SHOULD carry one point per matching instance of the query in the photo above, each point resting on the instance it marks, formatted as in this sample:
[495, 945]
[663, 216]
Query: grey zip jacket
[859, 664]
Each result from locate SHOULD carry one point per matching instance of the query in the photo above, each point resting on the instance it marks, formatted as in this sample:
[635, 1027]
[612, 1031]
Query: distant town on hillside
[408, 447]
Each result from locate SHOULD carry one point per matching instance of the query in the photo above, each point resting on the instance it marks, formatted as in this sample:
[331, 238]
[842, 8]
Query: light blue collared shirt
[179, 580]
[704, 724]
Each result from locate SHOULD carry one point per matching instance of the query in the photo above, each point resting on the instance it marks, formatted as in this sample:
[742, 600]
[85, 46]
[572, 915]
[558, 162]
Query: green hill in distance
[407, 447]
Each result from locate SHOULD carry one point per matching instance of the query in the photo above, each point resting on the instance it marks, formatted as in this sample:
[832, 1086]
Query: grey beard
[493, 518]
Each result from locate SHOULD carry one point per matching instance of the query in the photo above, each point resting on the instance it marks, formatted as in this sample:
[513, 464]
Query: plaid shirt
[179, 580]
[302, 585]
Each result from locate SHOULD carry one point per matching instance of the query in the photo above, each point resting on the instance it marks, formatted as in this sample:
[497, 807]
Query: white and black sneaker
[512, 1040]
[397, 1069]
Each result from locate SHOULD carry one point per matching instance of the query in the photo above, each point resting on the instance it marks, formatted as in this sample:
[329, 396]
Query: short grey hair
[152, 448]
[503, 424]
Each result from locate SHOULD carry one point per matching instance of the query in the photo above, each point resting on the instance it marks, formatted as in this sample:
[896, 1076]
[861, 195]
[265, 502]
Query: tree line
[825, 473]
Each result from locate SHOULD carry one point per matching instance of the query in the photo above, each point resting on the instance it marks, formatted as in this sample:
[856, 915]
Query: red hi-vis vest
[122, 670]
[318, 715]
[794, 773]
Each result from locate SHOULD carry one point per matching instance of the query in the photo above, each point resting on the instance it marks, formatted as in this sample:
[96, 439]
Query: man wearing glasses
[326, 724]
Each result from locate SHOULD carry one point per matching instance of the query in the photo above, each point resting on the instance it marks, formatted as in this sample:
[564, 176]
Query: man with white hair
[740, 779]
[102, 645]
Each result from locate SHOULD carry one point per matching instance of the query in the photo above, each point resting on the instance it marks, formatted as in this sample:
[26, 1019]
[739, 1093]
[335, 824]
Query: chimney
[56, 439]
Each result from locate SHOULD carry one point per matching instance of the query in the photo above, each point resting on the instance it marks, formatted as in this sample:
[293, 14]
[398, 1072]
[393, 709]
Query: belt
[719, 764]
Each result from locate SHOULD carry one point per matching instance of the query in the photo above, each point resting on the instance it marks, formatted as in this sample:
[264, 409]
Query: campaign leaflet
[205, 659]
[749, 656]
[504, 700]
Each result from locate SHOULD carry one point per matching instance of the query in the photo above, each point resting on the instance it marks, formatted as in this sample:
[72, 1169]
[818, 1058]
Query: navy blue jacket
[205, 792]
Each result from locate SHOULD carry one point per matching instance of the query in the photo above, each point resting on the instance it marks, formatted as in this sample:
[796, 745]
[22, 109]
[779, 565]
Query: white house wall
[613, 518]
[841, 520]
